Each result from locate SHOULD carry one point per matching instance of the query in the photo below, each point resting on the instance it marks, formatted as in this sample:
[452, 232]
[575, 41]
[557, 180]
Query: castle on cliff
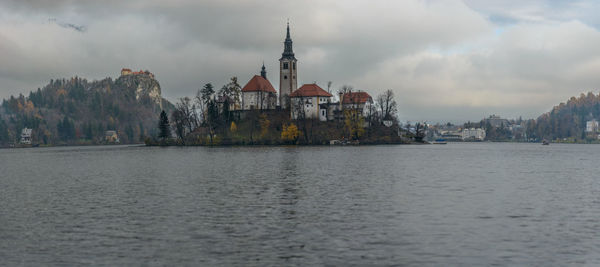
[125, 72]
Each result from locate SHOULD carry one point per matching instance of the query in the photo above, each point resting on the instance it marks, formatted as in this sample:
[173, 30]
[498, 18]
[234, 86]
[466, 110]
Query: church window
[285, 66]
[294, 65]
[285, 77]
[294, 77]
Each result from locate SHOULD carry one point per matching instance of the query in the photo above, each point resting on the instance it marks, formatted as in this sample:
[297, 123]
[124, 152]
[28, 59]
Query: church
[308, 101]
[259, 93]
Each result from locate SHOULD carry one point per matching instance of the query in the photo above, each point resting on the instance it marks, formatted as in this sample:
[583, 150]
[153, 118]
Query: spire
[288, 52]
[263, 72]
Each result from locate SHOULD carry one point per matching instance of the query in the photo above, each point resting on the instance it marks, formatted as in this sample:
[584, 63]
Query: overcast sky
[445, 60]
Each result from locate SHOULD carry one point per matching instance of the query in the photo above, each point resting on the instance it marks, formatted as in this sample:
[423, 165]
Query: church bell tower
[288, 81]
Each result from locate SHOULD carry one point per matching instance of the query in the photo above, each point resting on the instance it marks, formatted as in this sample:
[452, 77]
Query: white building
[258, 93]
[357, 100]
[26, 136]
[473, 134]
[310, 101]
[591, 126]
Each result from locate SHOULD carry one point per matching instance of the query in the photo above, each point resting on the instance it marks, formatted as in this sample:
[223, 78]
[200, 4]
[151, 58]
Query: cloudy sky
[445, 60]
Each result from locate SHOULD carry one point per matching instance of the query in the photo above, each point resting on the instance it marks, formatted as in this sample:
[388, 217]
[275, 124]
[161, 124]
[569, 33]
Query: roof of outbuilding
[258, 84]
[310, 90]
[355, 98]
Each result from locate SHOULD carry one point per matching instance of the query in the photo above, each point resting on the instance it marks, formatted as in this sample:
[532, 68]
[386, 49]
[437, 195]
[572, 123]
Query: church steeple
[288, 52]
[263, 72]
[288, 81]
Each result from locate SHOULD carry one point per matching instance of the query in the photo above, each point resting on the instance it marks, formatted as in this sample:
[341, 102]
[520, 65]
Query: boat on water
[439, 142]
[545, 142]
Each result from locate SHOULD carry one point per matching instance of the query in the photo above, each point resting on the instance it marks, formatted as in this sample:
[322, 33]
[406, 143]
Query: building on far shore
[26, 136]
[111, 136]
[310, 101]
[591, 126]
[497, 121]
[473, 134]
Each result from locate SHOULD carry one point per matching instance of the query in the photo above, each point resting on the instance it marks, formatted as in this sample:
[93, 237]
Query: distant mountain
[75, 111]
[567, 120]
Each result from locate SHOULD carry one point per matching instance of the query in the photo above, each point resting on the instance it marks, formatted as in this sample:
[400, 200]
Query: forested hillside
[567, 120]
[75, 111]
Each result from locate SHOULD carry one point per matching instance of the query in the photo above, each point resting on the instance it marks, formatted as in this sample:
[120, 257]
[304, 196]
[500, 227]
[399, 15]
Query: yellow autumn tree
[233, 127]
[354, 122]
[29, 107]
[61, 92]
[290, 133]
[264, 125]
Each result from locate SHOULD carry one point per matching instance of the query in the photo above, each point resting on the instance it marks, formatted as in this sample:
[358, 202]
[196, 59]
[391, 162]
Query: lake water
[436, 205]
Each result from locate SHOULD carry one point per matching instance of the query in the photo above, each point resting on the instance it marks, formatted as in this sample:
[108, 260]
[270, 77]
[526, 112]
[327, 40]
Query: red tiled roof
[124, 69]
[258, 84]
[355, 98]
[310, 90]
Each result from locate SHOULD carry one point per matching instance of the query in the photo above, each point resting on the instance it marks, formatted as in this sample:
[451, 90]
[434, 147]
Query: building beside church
[310, 102]
[361, 101]
[258, 93]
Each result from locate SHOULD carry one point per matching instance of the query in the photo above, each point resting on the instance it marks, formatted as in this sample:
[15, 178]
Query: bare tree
[186, 108]
[264, 100]
[299, 114]
[345, 89]
[387, 105]
[178, 120]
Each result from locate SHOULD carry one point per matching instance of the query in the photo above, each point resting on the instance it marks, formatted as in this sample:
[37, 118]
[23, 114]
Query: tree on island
[233, 90]
[354, 123]
[387, 105]
[163, 126]
[206, 93]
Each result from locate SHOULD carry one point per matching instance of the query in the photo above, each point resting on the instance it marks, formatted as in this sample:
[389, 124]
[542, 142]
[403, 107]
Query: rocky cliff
[144, 86]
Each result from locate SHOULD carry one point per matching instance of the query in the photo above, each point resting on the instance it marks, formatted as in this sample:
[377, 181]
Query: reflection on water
[459, 204]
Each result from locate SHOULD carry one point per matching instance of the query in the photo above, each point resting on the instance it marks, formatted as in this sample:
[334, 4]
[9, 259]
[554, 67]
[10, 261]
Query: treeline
[75, 111]
[567, 120]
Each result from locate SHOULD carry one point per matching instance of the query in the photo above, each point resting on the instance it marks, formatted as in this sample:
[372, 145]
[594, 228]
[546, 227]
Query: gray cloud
[446, 60]
[79, 28]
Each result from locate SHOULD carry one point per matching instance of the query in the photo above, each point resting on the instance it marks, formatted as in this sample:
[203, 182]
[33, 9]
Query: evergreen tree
[207, 91]
[142, 132]
[3, 132]
[163, 126]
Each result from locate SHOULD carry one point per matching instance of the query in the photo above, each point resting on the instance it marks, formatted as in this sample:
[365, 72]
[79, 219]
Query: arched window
[285, 77]
[285, 65]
